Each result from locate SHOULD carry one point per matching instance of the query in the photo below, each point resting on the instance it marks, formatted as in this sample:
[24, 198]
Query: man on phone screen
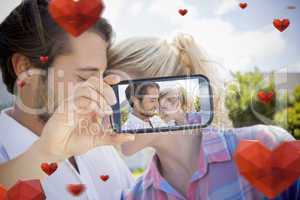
[143, 99]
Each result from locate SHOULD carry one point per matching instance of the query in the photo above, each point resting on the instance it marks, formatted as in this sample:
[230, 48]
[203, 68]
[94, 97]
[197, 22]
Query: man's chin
[127, 149]
[45, 117]
[150, 114]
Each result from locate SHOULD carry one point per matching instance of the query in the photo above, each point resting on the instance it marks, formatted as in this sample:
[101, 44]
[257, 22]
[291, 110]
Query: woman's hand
[77, 125]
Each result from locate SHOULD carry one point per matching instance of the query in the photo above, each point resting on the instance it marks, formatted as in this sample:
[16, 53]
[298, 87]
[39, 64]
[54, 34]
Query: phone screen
[162, 104]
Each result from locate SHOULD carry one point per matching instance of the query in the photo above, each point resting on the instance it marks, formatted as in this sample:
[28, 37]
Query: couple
[145, 98]
[53, 99]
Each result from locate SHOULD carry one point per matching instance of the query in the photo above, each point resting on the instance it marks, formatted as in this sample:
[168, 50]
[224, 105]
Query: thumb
[113, 139]
[112, 79]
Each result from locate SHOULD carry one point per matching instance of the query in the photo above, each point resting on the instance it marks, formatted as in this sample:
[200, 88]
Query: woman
[198, 165]
[175, 107]
[61, 108]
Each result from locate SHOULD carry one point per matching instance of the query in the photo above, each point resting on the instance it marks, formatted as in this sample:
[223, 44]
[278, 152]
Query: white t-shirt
[16, 139]
[133, 122]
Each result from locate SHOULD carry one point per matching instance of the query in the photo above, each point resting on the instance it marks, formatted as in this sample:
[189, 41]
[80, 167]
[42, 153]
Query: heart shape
[104, 177]
[44, 59]
[76, 16]
[243, 5]
[265, 97]
[21, 83]
[26, 190]
[3, 192]
[76, 189]
[183, 11]
[271, 172]
[281, 25]
[49, 168]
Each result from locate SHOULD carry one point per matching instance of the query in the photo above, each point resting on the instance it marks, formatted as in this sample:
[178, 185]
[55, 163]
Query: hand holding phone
[162, 104]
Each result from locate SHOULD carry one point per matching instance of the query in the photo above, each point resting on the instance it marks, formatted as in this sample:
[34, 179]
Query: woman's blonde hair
[154, 57]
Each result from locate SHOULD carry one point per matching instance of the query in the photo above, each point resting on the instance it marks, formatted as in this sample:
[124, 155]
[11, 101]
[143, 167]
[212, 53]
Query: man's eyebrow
[92, 69]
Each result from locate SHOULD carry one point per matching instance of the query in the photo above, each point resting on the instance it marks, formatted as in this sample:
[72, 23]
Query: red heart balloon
[76, 16]
[243, 5]
[183, 11]
[3, 192]
[104, 177]
[44, 59]
[21, 83]
[265, 97]
[26, 190]
[281, 25]
[271, 172]
[76, 189]
[49, 168]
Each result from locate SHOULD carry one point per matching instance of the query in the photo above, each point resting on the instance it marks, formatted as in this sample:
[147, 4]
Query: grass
[137, 172]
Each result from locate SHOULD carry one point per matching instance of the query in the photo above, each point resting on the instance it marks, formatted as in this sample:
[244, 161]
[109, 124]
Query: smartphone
[162, 104]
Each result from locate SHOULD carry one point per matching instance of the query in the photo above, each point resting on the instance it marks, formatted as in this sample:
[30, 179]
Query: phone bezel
[117, 118]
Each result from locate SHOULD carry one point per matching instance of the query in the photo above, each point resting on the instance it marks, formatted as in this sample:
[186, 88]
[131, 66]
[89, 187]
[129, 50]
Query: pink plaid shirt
[217, 177]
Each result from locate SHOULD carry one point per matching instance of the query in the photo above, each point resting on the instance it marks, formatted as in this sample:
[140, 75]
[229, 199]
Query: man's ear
[20, 63]
[134, 100]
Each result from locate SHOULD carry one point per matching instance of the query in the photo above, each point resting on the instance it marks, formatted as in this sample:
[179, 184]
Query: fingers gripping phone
[162, 104]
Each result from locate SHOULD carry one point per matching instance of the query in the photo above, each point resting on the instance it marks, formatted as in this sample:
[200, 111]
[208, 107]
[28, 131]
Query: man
[47, 122]
[143, 99]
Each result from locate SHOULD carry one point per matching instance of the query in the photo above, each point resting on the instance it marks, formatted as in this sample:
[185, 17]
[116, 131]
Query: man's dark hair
[138, 90]
[30, 30]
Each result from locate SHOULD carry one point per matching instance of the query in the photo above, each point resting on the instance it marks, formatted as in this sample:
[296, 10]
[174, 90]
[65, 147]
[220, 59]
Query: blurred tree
[124, 115]
[289, 117]
[197, 104]
[250, 99]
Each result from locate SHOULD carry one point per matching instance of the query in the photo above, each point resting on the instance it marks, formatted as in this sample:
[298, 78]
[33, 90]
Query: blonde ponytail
[153, 57]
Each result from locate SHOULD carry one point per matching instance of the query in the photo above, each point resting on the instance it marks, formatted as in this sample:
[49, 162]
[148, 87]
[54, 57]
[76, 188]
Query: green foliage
[138, 172]
[289, 118]
[246, 109]
[124, 115]
[197, 104]
[296, 94]
[241, 99]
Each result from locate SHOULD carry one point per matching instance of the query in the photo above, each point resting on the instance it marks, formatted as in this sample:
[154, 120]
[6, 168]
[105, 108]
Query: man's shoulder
[129, 121]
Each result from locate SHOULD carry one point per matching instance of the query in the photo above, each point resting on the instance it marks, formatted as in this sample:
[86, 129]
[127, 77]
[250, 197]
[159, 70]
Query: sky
[236, 39]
